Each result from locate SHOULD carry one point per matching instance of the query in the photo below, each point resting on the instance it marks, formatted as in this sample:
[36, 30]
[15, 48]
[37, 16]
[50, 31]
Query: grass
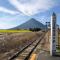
[15, 31]
[58, 49]
[14, 40]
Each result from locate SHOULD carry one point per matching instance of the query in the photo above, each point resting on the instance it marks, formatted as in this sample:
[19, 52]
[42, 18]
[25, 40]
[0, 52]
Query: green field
[14, 31]
[58, 50]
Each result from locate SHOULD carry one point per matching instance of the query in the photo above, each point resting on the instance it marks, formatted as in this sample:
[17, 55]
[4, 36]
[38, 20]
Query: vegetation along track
[25, 53]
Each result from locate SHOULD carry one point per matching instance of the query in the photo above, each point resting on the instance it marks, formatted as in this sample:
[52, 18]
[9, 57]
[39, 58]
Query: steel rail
[27, 57]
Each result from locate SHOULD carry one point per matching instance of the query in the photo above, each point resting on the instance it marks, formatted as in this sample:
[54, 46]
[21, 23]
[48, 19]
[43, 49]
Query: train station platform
[46, 56]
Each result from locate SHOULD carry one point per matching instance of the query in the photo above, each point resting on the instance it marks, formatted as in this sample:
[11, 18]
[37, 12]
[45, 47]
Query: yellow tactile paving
[33, 57]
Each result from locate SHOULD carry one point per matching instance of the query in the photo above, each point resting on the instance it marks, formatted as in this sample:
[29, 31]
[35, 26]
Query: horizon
[15, 12]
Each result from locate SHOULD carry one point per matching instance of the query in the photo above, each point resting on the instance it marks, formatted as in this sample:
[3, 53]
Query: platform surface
[46, 56]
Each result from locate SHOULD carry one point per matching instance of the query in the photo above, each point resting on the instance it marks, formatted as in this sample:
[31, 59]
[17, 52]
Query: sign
[53, 35]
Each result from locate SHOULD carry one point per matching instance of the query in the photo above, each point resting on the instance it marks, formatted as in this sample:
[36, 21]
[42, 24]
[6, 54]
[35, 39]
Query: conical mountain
[32, 23]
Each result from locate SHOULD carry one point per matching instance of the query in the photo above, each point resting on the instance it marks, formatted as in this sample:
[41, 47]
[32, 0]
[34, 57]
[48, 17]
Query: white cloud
[6, 26]
[8, 22]
[31, 7]
[3, 9]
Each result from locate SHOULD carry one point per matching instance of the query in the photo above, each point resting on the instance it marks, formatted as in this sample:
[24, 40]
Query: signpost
[53, 35]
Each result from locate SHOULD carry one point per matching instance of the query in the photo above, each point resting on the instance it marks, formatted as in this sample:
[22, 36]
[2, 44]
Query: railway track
[26, 52]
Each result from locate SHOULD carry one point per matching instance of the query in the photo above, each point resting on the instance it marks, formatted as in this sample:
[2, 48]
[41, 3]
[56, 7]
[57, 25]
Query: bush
[34, 29]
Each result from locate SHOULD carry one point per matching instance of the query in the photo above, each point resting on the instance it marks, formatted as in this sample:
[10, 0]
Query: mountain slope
[32, 23]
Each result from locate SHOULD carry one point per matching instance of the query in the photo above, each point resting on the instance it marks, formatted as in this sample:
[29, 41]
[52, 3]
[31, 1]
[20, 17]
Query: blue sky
[16, 12]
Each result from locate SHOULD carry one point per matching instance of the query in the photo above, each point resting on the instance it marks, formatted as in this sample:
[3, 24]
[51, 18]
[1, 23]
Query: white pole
[53, 35]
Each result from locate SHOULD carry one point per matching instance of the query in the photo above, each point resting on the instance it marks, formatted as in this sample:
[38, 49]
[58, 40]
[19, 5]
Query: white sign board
[53, 35]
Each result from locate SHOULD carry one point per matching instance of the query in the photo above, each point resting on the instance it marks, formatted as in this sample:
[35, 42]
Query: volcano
[32, 23]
